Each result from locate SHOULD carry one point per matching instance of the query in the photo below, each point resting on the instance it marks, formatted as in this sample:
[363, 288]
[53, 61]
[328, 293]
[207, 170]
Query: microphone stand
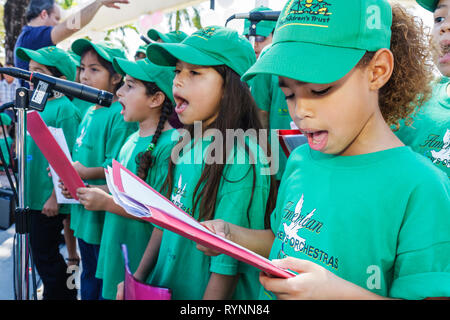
[22, 214]
[22, 248]
[25, 100]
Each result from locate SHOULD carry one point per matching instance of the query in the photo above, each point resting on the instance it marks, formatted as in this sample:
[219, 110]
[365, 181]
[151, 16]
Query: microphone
[74, 89]
[145, 39]
[256, 16]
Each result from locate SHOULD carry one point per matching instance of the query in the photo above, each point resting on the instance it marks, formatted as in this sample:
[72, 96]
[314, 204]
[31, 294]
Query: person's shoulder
[417, 170]
[36, 33]
[301, 153]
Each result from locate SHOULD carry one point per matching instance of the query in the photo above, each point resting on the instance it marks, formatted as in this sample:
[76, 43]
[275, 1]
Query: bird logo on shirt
[443, 155]
[178, 193]
[291, 231]
[79, 140]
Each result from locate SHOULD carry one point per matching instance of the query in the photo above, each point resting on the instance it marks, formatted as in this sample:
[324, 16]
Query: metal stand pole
[22, 213]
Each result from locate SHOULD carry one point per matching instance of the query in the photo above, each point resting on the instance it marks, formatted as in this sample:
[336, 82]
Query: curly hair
[409, 86]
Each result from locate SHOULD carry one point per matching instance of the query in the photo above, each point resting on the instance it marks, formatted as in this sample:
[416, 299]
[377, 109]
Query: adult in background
[45, 29]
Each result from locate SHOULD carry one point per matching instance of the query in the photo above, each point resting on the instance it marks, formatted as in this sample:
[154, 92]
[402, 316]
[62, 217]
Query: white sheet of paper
[59, 137]
[136, 192]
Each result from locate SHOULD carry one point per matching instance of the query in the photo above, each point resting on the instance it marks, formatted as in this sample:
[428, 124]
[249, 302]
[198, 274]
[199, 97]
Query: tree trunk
[13, 19]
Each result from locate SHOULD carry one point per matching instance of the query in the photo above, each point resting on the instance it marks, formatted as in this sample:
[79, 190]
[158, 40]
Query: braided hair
[145, 159]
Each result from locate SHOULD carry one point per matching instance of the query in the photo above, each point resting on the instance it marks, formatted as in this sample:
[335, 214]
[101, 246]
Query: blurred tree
[191, 19]
[13, 21]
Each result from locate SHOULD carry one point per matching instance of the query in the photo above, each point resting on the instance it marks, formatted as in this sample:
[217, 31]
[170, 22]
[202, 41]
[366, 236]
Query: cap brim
[155, 35]
[27, 55]
[429, 5]
[80, 45]
[167, 54]
[126, 67]
[306, 62]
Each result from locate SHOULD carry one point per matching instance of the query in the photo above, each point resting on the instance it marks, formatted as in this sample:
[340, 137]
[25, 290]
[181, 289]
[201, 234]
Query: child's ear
[157, 100]
[380, 69]
[116, 79]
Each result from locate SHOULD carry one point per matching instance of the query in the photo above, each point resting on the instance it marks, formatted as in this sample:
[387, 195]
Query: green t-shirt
[101, 135]
[83, 106]
[58, 113]
[380, 220]
[270, 98]
[429, 134]
[5, 145]
[183, 268]
[118, 230]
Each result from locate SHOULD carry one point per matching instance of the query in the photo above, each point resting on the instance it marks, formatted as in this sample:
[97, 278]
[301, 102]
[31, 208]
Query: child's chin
[444, 69]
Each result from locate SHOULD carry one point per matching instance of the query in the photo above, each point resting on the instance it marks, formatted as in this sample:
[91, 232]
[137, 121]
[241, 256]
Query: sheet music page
[58, 134]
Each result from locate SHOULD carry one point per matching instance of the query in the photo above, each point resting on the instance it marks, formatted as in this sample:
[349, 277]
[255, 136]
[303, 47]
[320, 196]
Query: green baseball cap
[170, 37]
[320, 41]
[263, 28]
[105, 49]
[74, 57]
[52, 57]
[211, 46]
[146, 71]
[142, 49]
[430, 5]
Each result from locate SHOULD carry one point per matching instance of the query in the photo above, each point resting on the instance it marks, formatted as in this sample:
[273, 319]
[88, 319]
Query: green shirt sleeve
[422, 268]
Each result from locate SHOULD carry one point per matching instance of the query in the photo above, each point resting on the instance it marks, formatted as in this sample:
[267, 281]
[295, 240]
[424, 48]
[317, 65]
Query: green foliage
[118, 35]
[190, 17]
[66, 4]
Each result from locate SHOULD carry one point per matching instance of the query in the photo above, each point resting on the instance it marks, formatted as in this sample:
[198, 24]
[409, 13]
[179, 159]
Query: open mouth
[182, 104]
[123, 107]
[445, 53]
[317, 139]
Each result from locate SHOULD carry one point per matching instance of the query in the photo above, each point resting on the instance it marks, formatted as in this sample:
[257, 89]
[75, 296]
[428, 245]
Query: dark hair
[35, 8]
[54, 71]
[145, 159]
[105, 64]
[237, 110]
[409, 85]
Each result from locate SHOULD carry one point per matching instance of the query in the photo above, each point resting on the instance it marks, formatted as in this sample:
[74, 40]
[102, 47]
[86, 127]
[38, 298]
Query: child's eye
[194, 73]
[321, 92]
[438, 20]
[177, 71]
[289, 97]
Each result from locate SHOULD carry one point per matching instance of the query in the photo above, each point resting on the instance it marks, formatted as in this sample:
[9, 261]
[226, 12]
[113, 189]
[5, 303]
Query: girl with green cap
[429, 133]
[269, 98]
[358, 215]
[146, 98]
[208, 90]
[46, 214]
[101, 135]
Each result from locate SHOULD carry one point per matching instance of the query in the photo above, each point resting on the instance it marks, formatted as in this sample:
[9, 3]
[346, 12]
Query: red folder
[53, 153]
[290, 139]
[183, 224]
[136, 290]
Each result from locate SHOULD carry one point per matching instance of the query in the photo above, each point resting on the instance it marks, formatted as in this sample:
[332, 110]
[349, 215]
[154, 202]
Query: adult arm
[80, 19]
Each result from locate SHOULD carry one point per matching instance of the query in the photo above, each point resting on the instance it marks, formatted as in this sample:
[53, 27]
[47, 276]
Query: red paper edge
[281, 134]
[54, 155]
[168, 222]
[117, 166]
